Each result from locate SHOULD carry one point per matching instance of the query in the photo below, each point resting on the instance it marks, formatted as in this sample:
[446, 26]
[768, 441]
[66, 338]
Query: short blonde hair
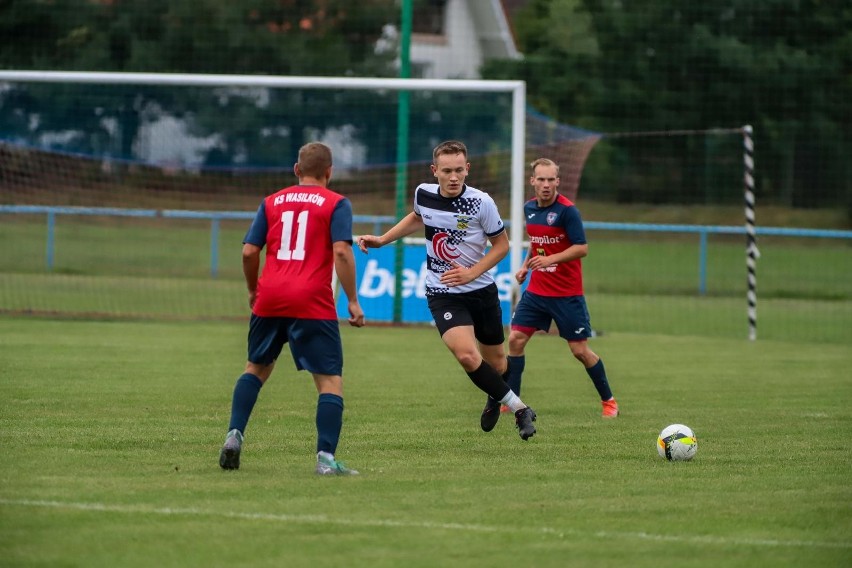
[544, 162]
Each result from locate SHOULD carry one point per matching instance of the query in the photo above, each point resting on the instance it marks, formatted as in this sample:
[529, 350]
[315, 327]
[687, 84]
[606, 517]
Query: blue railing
[378, 221]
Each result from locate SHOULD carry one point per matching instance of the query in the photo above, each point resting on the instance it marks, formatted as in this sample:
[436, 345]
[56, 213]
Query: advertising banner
[376, 285]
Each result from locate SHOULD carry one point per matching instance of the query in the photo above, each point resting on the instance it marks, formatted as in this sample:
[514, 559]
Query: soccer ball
[677, 443]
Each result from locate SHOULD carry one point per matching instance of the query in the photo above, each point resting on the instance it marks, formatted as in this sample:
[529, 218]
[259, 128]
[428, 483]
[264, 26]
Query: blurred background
[644, 104]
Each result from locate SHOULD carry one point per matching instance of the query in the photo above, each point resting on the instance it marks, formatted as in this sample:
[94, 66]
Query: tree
[782, 66]
[269, 37]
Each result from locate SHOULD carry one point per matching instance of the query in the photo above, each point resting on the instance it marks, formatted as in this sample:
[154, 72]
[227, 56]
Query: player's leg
[597, 373]
[530, 316]
[460, 340]
[317, 348]
[488, 329]
[266, 338]
[329, 423]
[519, 336]
[572, 319]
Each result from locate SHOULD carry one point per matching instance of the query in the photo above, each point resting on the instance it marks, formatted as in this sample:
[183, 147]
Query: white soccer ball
[677, 443]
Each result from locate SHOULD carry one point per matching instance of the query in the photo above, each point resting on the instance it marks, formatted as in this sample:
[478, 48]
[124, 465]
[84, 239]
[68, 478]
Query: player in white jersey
[459, 222]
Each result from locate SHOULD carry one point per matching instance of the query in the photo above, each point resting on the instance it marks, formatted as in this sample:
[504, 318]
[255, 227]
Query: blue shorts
[569, 312]
[314, 344]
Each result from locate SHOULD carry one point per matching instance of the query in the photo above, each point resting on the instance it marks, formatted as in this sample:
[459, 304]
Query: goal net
[128, 195]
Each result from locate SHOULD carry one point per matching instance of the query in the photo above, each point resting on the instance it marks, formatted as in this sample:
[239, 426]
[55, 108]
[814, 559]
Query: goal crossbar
[516, 88]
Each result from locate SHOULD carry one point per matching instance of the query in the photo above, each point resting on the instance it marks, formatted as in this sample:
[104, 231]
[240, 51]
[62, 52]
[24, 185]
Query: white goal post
[516, 88]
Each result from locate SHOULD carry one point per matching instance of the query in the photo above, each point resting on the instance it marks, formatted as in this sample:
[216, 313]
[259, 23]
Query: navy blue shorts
[570, 314]
[480, 308]
[314, 344]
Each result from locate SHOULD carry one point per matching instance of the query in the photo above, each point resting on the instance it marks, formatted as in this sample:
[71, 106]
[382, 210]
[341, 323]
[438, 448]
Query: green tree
[784, 66]
[267, 37]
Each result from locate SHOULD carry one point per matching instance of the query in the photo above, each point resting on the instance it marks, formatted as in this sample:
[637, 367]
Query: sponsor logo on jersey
[545, 239]
[443, 249]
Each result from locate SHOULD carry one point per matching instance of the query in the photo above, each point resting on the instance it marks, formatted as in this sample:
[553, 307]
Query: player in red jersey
[555, 291]
[307, 232]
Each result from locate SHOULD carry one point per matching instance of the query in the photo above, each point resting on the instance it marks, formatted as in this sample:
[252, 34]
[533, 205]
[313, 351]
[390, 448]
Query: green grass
[645, 283]
[111, 433]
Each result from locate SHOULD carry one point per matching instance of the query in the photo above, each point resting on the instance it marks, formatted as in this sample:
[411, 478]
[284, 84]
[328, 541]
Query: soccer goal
[127, 194]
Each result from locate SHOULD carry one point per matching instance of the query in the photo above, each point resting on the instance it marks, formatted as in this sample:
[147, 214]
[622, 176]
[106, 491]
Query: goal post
[516, 88]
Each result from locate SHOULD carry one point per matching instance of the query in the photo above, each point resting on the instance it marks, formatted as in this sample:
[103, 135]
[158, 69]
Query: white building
[452, 38]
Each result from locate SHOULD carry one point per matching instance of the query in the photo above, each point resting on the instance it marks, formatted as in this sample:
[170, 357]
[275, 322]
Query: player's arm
[522, 272]
[459, 274]
[253, 243]
[571, 253]
[251, 269]
[344, 265]
[407, 225]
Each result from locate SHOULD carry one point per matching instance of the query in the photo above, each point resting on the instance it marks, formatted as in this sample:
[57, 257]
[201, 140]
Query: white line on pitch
[322, 519]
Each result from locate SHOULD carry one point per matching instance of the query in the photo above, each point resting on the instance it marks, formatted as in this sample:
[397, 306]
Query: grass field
[636, 283]
[112, 430]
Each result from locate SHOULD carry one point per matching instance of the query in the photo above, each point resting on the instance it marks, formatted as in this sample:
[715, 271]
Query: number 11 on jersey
[298, 252]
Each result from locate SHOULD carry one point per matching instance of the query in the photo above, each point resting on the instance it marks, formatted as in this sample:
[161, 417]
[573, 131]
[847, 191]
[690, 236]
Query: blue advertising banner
[376, 285]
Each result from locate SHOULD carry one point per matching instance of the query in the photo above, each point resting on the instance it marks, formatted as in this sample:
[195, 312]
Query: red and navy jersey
[298, 226]
[551, 230]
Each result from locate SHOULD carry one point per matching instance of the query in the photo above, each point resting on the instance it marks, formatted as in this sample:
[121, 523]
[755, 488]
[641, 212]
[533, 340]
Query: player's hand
[458, 275]
[368, 241]
[252, 298]
[537, 262]
[521, 275]
[356, 315]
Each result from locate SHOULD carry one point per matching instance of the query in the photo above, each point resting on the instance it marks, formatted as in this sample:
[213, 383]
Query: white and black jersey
[457, 230]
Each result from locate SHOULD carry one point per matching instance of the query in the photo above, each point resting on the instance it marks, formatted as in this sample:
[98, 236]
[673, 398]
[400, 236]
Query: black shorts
[480, 308]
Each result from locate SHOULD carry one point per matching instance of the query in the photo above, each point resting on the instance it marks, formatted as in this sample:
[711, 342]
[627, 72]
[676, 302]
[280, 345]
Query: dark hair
[314, 160]
[449, 147]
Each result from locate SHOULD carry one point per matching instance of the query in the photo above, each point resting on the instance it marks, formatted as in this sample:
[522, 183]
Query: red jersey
[298, 225]
[551, 230]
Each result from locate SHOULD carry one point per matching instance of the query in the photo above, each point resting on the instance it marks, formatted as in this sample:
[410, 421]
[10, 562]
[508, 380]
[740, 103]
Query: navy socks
[598, 375]
[329, 422]
[515, 372]
[245, 395]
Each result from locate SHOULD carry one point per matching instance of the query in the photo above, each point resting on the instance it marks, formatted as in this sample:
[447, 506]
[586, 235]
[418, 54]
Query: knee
[262, 372]
[517, 342]
[469, 360]
[585, 356]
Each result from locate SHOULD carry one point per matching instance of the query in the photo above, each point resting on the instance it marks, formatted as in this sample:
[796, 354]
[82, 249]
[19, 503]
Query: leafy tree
[783, 66]
[277, 37]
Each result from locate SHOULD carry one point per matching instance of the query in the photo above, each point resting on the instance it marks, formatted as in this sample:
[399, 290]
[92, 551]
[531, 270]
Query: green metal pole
[402, 152]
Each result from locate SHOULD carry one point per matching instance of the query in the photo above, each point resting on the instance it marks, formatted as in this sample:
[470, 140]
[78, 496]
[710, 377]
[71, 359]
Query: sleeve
[341, 221]
[417, 207]
[574, 226]
[256, 234]
[492, 224]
